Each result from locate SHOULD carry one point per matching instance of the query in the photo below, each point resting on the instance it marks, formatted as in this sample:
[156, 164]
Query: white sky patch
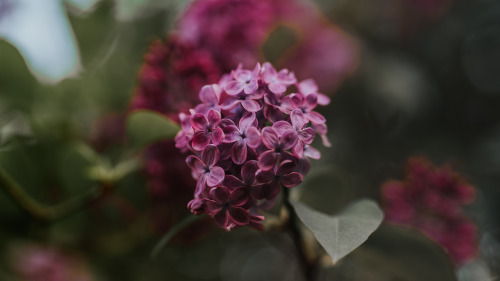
[40, 30]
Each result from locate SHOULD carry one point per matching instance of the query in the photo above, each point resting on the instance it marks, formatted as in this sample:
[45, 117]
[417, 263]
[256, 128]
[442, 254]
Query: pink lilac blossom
[242, 169]
[432, 200]
[241, 27]
[41, 263]
[169, 81]
[211, 38]
[171, 76]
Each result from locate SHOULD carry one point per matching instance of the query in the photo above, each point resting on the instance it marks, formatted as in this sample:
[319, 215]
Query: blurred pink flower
[42, 263]
[234, 31]
[432, 200]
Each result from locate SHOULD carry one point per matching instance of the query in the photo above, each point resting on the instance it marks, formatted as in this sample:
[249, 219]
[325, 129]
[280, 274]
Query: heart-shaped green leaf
[339, 235]
[145, 127]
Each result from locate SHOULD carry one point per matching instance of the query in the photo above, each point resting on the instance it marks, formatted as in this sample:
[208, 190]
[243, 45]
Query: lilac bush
[250, 136]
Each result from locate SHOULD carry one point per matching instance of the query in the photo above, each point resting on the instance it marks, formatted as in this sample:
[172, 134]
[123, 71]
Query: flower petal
[298, 149]
[251, 86]
[210, 94]
[213, 117]
[197, 206]
[315, 117]
[217, 136]
[268, 72]
[239, 152]
[289, 139]
[238, 197]
[267, 191]
[308, 86]
[282, 126]
[286, 167]
[233, 88]
[296, 100]
[310, 102]
[271, 190]
[298, 119]
[215, 176]
[277, 88]
[232, 182]
[251, 105]
[291, 180]
[213, 207]
[286, 77]
[242, 74]
[307, 135]
[253, 137]
[200, 141]
[273, 113]
[219, 195]
[256, 70]
[247, 121]
[239, 216]
[269, 137]
[323, 99]
[199, 122]
[248, 171]
[210, 155]
[200, 185]
[264, 176]
[268, 160]
[222, 218]
[311, 152]
[229, 103]
[231, 134]
[196, 165]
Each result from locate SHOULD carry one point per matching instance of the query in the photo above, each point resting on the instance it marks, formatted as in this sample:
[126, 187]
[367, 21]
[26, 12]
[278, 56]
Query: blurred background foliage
[426, 84]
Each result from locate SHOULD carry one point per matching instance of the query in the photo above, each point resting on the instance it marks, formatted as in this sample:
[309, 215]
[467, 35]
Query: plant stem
[172, 232]
[43, 212]
[296, 233]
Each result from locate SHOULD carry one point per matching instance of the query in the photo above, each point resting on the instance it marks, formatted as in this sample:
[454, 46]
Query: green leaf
[339, 235]
[395, 252]
[145, 127]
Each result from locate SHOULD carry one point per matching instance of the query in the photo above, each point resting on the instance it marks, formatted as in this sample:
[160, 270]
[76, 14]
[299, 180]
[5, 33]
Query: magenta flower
[247, 156]
[306, 105]
[432, 199]
[305, 135]
[247, 135]
[277, 145]
[186, 132]
[277, 81]
[245, 80]
[206, 129]
[225, 207]
[273, 179]
[197, 206]
[204, 169]
[209, 96]
[35, 262]
[248, 181]
[311, 152]
[248, 101]
[308, 87]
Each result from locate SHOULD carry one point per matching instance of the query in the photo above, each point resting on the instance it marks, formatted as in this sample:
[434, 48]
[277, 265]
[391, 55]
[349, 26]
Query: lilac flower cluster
[432, 199]
[249, 137]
